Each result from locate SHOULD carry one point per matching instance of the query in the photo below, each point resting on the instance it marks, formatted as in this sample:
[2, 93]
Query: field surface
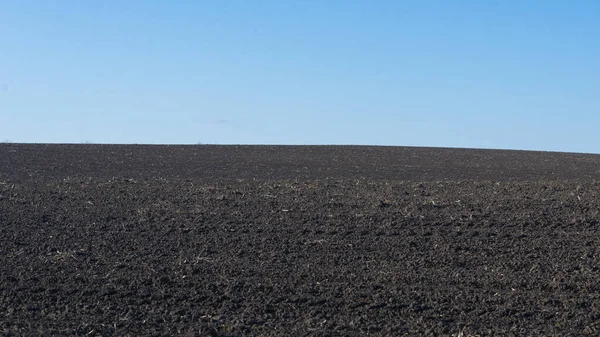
[297, 240]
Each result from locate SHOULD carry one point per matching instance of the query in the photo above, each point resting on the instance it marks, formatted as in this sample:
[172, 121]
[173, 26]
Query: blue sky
[514, 74]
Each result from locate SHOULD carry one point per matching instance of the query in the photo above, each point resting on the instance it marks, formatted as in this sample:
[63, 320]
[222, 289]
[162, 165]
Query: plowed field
[289, 240]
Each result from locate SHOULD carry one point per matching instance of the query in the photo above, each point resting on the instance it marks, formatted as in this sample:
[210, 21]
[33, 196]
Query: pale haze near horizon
[478, 74]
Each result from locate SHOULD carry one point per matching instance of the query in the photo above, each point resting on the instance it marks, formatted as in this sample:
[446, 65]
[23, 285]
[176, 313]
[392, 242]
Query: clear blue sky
[516, 74]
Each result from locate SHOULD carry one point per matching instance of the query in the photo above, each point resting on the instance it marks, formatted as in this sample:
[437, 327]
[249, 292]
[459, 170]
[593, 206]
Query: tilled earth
[277, 241]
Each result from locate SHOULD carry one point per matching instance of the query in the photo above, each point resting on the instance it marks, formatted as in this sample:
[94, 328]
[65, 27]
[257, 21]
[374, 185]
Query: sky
[510, 74]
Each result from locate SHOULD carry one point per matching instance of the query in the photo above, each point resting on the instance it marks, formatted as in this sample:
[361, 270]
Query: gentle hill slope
[220, 162]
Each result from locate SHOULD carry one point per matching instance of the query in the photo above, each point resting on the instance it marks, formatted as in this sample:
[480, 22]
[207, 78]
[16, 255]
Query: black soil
[277, 241]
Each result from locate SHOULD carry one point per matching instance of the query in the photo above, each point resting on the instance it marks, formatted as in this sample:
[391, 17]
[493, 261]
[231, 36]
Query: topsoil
[297, 240]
